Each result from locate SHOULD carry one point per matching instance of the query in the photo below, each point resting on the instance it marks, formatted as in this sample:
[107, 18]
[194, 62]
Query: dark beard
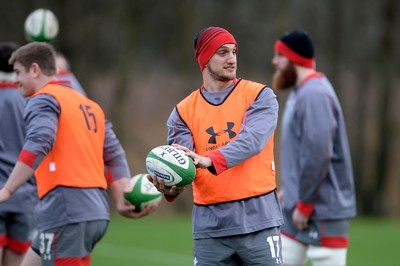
[284, 79]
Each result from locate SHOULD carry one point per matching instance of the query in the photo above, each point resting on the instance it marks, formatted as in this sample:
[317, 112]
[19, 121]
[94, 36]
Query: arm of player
[19, 175]
[258, 126]
[41, 118]
[118, 175]
[318, 124]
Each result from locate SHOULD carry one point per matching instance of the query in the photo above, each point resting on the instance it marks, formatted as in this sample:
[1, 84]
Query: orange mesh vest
[76, 158]
[213, 127]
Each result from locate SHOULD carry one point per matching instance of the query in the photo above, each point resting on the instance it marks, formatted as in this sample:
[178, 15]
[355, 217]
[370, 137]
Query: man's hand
[199, 161]
[19, 176]
[123, 207]
[5, 194]
[160, 186]
[128, 210]
[300, 220]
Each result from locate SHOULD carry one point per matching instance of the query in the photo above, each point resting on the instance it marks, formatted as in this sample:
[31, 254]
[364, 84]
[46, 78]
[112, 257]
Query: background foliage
[136, 59]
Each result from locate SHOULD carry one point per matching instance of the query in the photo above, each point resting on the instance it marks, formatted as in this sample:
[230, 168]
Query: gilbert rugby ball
[41, 26]
[141, 192]
[168, 163]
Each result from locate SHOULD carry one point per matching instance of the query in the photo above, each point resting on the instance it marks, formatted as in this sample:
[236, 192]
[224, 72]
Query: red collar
[64, 73]
[60, 82]
[313, 75]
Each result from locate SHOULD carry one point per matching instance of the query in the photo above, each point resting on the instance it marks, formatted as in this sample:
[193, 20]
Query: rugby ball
[141, 192]
[168, 163]
[41, 26]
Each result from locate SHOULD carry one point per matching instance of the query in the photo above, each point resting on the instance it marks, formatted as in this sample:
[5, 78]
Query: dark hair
[40, 53]
[196, 38]
[6, 49]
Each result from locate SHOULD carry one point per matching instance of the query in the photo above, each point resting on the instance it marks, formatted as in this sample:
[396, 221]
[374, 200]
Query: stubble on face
[221, 74]
[285, 78]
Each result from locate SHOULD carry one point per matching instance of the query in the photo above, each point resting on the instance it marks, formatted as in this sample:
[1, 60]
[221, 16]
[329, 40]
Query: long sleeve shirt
[316, 164]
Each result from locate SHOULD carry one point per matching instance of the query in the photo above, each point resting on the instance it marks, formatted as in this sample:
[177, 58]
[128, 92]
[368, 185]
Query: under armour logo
[213, 138]
[313, 234]
[162, 154]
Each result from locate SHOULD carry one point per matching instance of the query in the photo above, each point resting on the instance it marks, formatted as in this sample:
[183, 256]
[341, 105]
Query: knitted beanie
[298, 47]
[208, 41]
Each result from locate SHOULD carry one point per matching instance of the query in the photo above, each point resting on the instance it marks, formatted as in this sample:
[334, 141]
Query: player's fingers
[150, 178]
[161, 185]
[180, 147]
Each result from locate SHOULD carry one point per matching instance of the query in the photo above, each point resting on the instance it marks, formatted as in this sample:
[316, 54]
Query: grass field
[166, 240]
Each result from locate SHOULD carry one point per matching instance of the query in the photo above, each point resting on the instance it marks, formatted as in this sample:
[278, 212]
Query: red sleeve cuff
[305, 208]
[109, 176]
[218, 161]
[170, 198]
[27, 157]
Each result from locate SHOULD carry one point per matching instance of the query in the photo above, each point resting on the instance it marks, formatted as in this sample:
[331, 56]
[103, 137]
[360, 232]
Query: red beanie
[298, 47]
[208, 41]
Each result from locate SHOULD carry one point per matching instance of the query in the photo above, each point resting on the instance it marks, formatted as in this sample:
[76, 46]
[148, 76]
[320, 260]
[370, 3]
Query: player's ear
[35, 70]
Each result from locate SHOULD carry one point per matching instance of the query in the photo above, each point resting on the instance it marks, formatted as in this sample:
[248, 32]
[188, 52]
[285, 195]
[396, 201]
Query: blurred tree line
[136, 58]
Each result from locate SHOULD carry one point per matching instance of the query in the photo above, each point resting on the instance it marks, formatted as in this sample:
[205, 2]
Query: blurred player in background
[227, 127]
[67, 151]
[64, 72]
[16, 215]
[318, 187]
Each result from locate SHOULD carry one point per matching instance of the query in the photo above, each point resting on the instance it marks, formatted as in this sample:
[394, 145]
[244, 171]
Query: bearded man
[318, 198]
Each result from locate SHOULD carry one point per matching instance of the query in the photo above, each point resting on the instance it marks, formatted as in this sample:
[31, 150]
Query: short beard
[219, 76]
[284, 79]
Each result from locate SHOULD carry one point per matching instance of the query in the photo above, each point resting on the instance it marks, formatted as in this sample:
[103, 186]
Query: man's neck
[303, 73]
[217, 86]
[212, 85]
[43, 81]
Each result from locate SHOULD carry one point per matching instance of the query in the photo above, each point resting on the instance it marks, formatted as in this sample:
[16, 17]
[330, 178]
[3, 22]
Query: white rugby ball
[168, 163]
[41, 26]
[141, 192]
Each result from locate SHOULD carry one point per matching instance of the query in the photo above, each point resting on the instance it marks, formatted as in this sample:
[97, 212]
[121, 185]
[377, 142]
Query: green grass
[150, 241]
[374, 242]
[159, 240]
